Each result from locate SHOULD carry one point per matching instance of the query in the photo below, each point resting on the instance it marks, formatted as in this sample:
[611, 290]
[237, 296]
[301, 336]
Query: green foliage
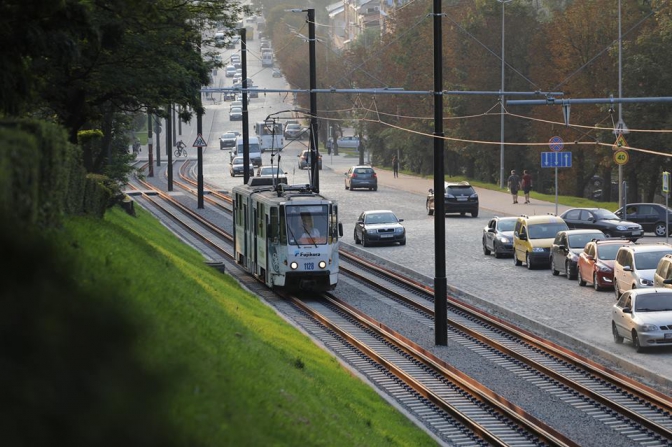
[19, 176]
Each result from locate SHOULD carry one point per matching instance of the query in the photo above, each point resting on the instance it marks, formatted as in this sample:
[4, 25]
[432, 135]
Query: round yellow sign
[621, 157]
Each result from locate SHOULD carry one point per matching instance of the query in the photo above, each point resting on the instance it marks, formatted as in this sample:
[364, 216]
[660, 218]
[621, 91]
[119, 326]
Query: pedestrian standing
[527, 185]
[395, 166]
[514, 185]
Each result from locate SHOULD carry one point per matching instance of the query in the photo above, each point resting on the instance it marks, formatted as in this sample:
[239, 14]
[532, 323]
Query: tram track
[634, 410]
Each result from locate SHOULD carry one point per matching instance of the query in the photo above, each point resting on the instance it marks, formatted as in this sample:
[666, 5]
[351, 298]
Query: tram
[287, 236]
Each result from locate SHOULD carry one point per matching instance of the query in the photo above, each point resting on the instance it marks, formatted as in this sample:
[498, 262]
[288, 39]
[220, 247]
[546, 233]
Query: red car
[596, 263]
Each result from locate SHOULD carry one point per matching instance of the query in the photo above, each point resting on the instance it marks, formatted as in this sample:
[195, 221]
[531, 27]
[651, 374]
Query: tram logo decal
[275, 262]
[302, 254]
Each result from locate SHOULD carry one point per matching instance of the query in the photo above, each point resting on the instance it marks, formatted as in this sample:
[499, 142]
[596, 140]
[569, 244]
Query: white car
[643, 316]
[351, 142]
[230, 71]
[635, 265]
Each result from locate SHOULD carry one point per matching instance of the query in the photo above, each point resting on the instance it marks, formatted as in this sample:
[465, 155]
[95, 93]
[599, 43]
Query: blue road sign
[556, 144]
[556, 159]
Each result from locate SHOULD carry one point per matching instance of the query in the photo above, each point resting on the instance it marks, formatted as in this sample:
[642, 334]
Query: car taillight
[354, 175]
[375, 175]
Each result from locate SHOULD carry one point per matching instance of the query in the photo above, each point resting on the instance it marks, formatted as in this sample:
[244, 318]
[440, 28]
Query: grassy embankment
[246, 377]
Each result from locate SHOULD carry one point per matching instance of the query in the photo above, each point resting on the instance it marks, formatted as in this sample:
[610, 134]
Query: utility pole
[169, 145]
[440, 281]
[246, 119]
[314, 166]
[150, 152]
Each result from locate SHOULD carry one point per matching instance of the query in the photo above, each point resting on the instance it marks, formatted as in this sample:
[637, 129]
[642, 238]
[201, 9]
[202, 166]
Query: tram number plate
[668, 335]
[309, 266]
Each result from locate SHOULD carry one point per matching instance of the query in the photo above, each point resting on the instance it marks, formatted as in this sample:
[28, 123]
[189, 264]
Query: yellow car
[533, 237]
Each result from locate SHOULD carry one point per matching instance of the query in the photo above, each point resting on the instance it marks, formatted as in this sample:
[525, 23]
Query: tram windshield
[307, 224]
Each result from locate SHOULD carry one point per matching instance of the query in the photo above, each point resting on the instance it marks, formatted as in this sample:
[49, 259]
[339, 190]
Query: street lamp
[501, 118]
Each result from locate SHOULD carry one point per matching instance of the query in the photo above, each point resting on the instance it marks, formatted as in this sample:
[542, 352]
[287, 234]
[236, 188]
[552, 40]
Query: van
[533, 237]
[255, 150]
[635, 266]
[267, 59]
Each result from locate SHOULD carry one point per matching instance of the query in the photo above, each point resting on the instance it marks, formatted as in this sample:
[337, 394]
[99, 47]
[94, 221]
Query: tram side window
[239, 210]
[261, 215]
[273, 229]
[283, 226]
[333, 223]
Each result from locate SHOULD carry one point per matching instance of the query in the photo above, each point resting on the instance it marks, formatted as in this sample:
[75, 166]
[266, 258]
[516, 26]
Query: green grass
[246, 377]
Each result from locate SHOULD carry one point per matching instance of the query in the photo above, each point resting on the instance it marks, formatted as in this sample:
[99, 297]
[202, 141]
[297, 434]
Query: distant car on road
[363, 177]
[277, 73]
[228, 139]
[237, 167]
[458, 197]
[604, 220]
[379, 227]
[351, 142]
[651, 216]
[566, 248]
[643, 316]
[236, 114]
[293, 131]
[304, 160]
[498, 236]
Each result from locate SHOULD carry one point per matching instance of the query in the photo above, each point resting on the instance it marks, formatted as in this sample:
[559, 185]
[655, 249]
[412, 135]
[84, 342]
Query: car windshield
[368, 171]
[580, 240]
[545, 231]
[506, 225]
[268, 170]
[649, 261]
[601, 214]
[380, 218]
[460, 190]
[654, 303]
[608, 252]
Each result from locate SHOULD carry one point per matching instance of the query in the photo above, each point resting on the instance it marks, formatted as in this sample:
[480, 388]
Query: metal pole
[501, 122]
[556, 191]
[620, 108]
[199, 176]
[150, 152]
[314, 153]
[169, 145]
[440, 281]
[246, 119]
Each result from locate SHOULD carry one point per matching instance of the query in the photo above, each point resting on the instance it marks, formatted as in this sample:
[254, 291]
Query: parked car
[304, 160]
[643, 316]
[236, 114]
[379, 227]
[498, 236]
[459, 197]
[596, 263]
[604, 220]
[363, 177]
[351, 142]
[567, 246]
[228, 139]
[651, 216]
[237, 167]
[277, 73]
[635, 265]
[662, 277]
[533, 237]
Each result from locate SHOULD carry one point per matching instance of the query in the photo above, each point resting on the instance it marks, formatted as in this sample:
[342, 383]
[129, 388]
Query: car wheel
[607, 234]
[365, 243]
[554, 271]
[403, 242]
[660, 229]
[494, 249]
[375, 188]
[568, 271]
[596, 285]
[635, 342]
[486, 250]
[579, 277]
[474, 213]
[617, 338]
[527, 261]
[516, 261]
[357, 241]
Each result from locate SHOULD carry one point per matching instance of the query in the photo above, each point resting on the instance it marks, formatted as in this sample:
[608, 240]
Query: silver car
[643, 316]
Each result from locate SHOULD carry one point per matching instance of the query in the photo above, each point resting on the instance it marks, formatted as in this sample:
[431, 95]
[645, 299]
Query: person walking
[527, 185]
[514, 185]
[395, 166]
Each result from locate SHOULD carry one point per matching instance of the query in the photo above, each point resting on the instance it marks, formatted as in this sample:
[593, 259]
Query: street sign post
[666, 191]
[556, 160]
[556, 144]
[621, 157]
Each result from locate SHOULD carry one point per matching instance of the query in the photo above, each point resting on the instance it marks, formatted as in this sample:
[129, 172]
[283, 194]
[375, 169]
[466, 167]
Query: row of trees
[91, 65]
[569, 47]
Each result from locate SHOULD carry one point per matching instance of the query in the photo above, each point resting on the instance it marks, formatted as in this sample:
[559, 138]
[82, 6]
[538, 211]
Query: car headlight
[604, 267]
[572, 257]
[621, 227]
[645, 282]
[370, 231]
[399, 230]
[504, 240]
[648, 328]
[538, 250]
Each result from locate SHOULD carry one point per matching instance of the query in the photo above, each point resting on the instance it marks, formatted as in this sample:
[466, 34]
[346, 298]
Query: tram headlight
[294, 265]
[322, 264]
